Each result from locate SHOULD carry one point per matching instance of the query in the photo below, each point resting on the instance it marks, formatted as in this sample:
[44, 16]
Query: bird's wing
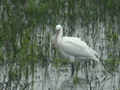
[76, 47]
[75, 40]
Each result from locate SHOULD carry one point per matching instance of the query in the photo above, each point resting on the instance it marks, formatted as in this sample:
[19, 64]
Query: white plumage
[72, 46]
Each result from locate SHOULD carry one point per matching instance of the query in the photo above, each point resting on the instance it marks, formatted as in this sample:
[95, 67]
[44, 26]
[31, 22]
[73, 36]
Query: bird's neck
[59, 36]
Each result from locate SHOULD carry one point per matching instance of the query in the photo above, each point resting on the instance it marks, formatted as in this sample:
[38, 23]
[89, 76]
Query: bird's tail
[96, 59]
[95, 55]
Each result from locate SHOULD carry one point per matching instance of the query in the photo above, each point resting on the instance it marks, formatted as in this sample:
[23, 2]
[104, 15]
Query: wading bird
[73, 47]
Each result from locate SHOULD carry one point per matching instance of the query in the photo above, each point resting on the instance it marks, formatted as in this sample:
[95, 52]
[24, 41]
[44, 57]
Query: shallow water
[28, 60]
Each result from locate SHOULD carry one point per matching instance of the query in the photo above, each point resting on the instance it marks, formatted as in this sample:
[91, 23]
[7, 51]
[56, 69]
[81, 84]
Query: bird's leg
[72, 69]
[72, 59]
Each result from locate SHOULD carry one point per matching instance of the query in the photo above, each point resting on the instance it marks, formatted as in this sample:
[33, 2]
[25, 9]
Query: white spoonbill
[72, 46]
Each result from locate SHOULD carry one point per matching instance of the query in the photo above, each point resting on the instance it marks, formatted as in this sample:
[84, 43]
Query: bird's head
[59, 27]
[59, 30]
